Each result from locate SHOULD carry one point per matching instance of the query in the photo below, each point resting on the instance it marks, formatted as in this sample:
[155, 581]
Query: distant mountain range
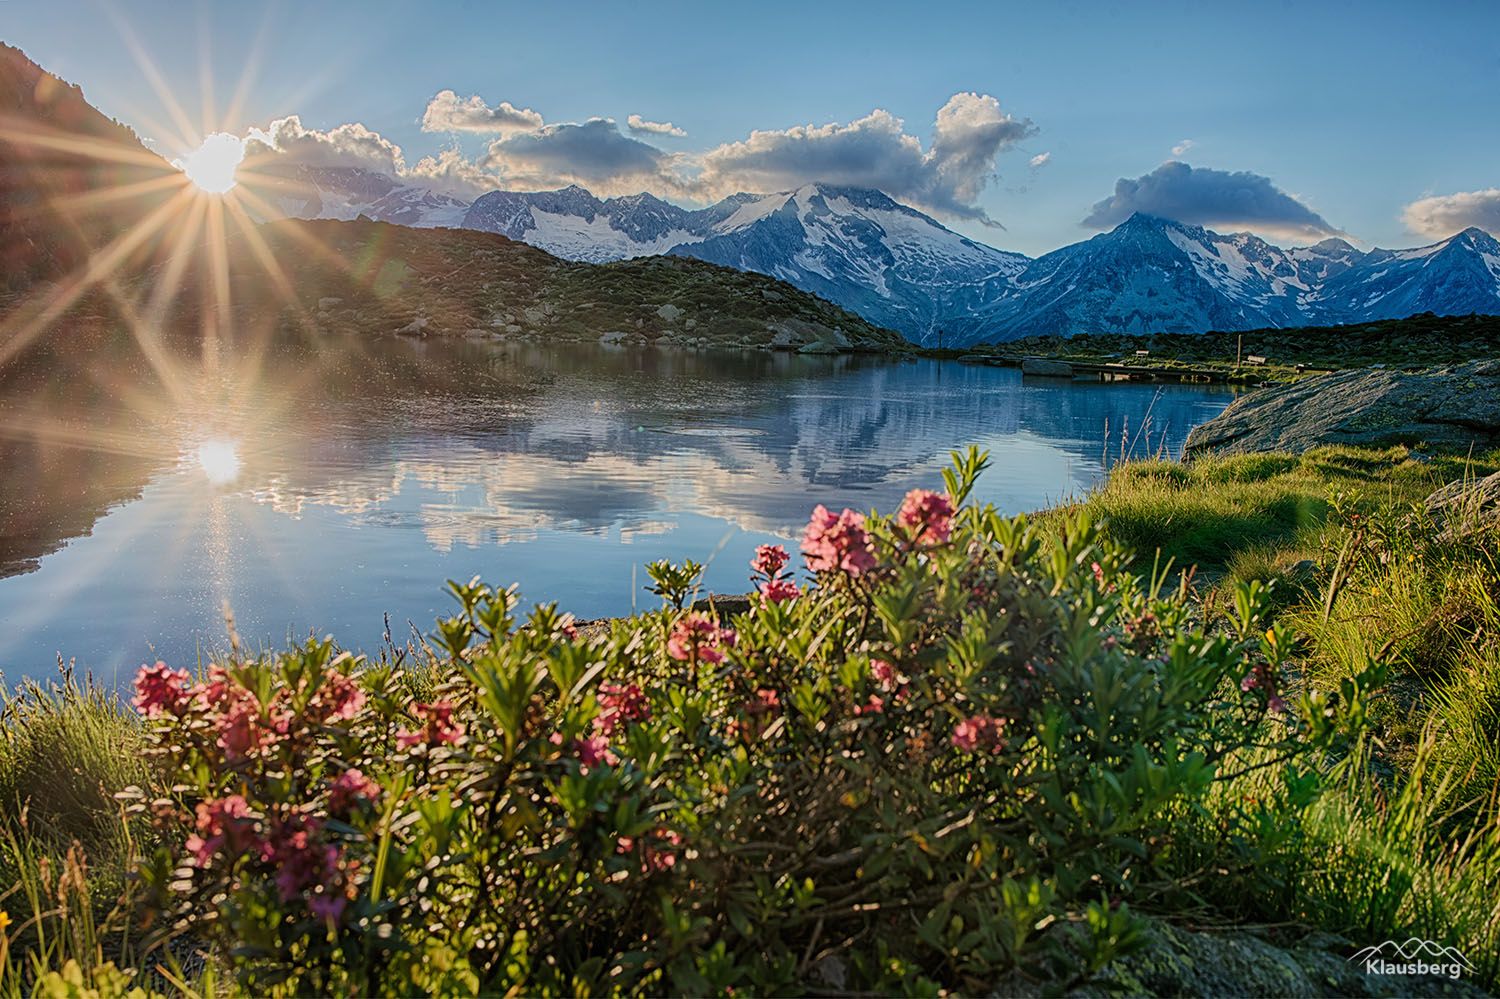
[859, 249]
[900, 268]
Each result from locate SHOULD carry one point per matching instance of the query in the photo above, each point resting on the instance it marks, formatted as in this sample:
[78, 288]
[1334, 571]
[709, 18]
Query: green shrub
[889, 777]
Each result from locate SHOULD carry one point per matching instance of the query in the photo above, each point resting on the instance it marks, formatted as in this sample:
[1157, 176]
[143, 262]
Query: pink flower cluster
[927, 516]
[758, 709]
[885, 674]
[698, 638]
[619, 703]
[657, 849]
[160, 690]
[242, 726]
[979, 732]
[438, 727]
[1261, 678]
[770, 562]
[594, 751]
[306, 866]
[224, 824]
[349, 789]
[837, 541]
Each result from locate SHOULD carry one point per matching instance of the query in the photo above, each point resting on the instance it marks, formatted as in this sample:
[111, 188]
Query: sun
[211, 167]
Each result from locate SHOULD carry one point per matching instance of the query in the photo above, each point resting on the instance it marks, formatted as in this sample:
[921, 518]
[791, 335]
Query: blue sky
[1320, 117]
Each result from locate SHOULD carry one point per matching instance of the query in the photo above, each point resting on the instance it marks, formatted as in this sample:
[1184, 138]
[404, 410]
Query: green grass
[66, 849]
[1405, 838]
[65, 750]
[1270, 509]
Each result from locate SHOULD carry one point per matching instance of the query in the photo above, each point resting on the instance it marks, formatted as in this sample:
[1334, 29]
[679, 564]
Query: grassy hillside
[56, 151]
[373, 277]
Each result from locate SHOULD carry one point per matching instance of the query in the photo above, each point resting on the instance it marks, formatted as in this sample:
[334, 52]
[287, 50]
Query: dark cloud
[1216, 198]
[594, 153]
[1443, 215]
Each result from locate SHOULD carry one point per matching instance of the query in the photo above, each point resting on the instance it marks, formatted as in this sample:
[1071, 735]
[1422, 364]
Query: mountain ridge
[902, 269]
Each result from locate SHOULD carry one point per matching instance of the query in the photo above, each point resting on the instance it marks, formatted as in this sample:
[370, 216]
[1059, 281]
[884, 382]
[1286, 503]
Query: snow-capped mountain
[348, 192]
[1456, 276]
[858, 248]
[901, 269]
[1145, 274]
[1153, 274]
[573, 224]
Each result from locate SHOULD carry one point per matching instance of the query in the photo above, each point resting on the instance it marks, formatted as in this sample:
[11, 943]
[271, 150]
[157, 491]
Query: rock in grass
[1467, 505]
[1455, 406]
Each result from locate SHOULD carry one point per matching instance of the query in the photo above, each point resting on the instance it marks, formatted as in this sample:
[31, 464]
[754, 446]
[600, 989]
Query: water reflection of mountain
[477, 443]
[591, 439]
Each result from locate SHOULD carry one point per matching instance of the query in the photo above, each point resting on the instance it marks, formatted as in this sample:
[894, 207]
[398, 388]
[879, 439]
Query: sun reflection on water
[220, 461]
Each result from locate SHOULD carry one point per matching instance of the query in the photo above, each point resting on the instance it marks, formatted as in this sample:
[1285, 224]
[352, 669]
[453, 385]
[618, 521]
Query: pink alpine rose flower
[619, 703]
[697, 637]
[885, 674]
[341, 697]
[769, 560]
[779, 591]
[351, 788]
[161, 690]
[439, 728]
[837, 541]
[222, 824]
[927, 515]
[979, 732]
[593, 751]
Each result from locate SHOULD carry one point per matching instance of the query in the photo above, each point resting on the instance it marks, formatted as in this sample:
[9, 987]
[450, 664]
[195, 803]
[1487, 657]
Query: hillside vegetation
[962, 752]
[1418, 341]
[367, 278]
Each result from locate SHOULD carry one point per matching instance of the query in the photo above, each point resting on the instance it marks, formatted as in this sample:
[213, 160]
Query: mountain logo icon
[1413, 956]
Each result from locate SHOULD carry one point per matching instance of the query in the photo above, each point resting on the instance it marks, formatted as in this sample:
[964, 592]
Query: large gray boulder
[1452, 407]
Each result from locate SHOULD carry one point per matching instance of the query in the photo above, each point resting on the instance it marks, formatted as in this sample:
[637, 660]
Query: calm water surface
[318, 490]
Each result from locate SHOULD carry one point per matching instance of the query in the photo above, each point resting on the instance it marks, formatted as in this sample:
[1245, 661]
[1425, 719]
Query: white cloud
[1039, 160]
[1443, 215]
[447, 112]
[353, 145]
[1182, 147]
[970, 133]
[641, 126]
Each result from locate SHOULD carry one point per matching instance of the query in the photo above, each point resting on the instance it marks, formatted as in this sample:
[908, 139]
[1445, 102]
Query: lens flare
[220, 461]
[212, 166]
